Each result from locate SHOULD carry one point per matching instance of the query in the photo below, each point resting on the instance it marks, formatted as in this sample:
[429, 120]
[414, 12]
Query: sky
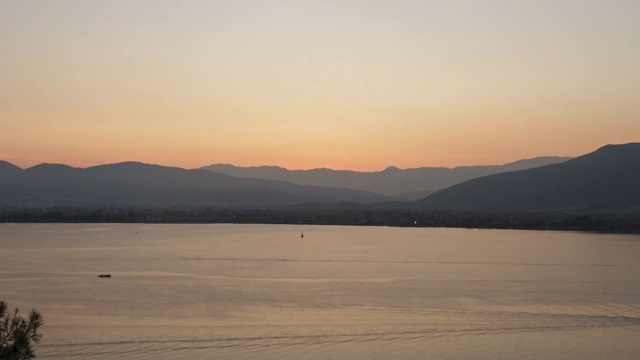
[342, 84]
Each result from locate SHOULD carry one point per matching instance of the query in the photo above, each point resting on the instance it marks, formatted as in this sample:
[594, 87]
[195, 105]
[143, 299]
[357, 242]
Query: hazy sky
[345, 84]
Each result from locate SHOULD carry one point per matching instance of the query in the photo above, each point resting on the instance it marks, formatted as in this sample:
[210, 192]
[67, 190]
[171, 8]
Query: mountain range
[138, 184]
[606, 179]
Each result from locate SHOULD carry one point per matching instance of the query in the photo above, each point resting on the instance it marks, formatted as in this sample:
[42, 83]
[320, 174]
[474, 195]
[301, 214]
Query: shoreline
[599, 222]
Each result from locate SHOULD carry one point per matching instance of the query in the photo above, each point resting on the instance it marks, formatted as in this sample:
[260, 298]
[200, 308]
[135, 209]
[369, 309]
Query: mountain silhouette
[607, 179]
[138, 184]
[408, 184]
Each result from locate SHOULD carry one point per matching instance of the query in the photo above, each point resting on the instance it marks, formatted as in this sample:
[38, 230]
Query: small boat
[302, 235]
[104, 275]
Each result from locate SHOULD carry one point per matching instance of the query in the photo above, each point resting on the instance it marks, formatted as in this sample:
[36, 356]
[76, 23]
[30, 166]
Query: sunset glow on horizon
[351, 84]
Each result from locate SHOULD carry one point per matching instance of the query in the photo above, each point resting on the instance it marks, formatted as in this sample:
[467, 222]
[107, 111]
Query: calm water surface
[263, 292]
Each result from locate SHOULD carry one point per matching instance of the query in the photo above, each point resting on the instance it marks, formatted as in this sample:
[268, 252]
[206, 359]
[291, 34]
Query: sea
[225, 291]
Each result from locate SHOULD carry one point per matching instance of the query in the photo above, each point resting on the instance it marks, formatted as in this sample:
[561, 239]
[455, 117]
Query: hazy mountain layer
[412, 184]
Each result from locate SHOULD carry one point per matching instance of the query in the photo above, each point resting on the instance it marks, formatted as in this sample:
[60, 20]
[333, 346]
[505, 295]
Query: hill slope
[7, 168]
[607, 179]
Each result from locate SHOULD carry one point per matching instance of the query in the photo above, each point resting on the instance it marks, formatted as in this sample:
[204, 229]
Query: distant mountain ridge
[607, 179]
[410, 184]
[138, 184]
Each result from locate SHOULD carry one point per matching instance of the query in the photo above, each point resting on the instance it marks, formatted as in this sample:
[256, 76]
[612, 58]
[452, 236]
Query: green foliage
[17, 333]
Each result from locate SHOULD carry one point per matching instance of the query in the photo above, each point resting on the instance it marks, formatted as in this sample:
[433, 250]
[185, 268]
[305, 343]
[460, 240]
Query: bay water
[265, 292]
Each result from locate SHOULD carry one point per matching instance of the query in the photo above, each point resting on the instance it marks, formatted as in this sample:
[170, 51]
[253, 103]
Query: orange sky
[349, 84]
